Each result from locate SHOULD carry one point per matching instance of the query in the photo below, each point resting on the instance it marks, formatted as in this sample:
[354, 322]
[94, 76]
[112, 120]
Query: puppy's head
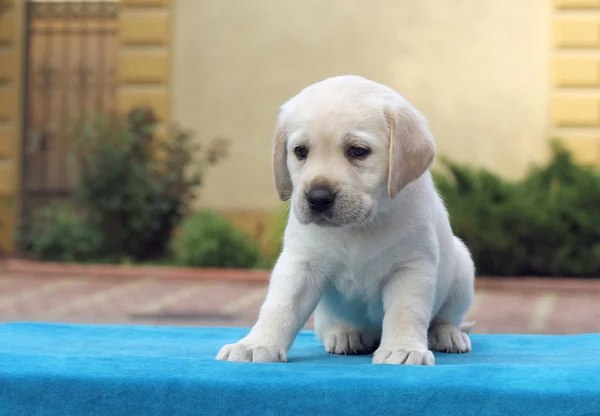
[344, 145]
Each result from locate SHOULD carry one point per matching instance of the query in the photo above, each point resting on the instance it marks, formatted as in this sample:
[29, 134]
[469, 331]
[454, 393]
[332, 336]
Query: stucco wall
[575, 93]
[496, 79]
[144, 56]
[477, 69]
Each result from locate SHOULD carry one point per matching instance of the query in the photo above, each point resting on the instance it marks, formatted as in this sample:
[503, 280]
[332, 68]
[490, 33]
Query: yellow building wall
[11, 58]
[575, 88]
[144, 61]
[479, 70]
[496, 79]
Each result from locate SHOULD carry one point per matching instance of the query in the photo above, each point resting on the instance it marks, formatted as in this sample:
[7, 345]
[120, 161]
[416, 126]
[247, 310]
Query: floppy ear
[283, 181]
[411, 147]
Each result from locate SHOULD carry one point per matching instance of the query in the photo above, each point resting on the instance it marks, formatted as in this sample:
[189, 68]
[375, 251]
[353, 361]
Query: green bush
[60, 234]
[6, 204]
[209, 240]
[134, 187]
[275, 234]
[547, 224]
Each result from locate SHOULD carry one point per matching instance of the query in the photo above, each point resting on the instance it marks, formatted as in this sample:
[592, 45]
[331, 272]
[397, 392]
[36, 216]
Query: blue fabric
[48, 369]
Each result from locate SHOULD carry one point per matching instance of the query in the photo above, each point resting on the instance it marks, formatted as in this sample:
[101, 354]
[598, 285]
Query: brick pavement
[505, 308]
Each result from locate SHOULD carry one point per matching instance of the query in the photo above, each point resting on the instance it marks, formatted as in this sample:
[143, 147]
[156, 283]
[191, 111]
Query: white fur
[385, 273]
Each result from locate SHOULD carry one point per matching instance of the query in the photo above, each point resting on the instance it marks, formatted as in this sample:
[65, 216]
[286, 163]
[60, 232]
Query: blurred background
[135, 147]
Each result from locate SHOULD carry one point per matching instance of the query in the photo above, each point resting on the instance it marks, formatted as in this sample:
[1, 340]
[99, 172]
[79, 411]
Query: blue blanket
[48, 369]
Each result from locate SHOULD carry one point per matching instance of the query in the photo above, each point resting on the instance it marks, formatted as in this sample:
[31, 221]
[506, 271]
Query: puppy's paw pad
[349, 342]
[252, 353]
[448, 338]
[403, 356]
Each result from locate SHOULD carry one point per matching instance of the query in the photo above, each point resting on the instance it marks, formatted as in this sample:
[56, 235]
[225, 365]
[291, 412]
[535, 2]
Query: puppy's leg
[340, 336]
[407, 302]
[294, 291]
[448, 333]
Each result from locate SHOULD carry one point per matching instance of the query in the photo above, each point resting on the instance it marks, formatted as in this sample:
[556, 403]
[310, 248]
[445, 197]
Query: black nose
[320, 198]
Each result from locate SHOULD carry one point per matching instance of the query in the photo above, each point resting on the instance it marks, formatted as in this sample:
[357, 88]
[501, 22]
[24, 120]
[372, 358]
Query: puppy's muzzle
[320, 199]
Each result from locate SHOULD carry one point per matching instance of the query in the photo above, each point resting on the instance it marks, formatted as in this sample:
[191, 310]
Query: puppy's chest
[357, 265]
[358, 276]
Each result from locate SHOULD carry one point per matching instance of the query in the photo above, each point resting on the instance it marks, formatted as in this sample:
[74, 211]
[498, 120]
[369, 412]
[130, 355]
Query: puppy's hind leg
[342, 337]
[448, 332]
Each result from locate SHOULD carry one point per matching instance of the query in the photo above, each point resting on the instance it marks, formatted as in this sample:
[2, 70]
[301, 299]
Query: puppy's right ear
[283, 181]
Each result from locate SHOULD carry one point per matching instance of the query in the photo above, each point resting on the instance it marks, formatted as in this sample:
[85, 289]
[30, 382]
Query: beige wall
[496, 79]
[477, 69]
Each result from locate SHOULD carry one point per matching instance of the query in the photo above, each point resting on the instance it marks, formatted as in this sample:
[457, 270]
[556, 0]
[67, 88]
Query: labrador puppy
[368, 247]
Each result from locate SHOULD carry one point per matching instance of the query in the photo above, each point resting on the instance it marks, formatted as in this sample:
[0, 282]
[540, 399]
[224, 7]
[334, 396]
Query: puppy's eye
[357, 152]
[301, 152]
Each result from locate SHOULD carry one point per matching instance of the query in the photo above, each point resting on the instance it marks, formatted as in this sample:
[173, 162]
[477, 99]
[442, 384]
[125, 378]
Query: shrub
[135, 187]
[275, 234]
[7, 204]
[208, 240]
[547, 224]
[60, 234]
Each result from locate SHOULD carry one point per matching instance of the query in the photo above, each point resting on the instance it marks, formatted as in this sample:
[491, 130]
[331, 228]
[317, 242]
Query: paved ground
[217, 303]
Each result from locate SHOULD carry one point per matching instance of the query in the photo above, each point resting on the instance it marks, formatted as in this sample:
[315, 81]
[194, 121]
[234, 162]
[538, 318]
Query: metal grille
[70, 76]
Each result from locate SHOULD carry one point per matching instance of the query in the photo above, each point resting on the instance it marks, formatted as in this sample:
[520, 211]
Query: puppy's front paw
[242, 352]
[448, 338]
[403, 356]
[349, 342]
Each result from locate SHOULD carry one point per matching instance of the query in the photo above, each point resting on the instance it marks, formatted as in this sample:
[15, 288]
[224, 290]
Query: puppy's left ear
[412, 148]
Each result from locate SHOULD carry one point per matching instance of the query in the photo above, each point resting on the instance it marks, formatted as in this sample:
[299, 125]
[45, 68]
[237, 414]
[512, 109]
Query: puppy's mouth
[330, 220]
[321, 220]
[325, 221]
